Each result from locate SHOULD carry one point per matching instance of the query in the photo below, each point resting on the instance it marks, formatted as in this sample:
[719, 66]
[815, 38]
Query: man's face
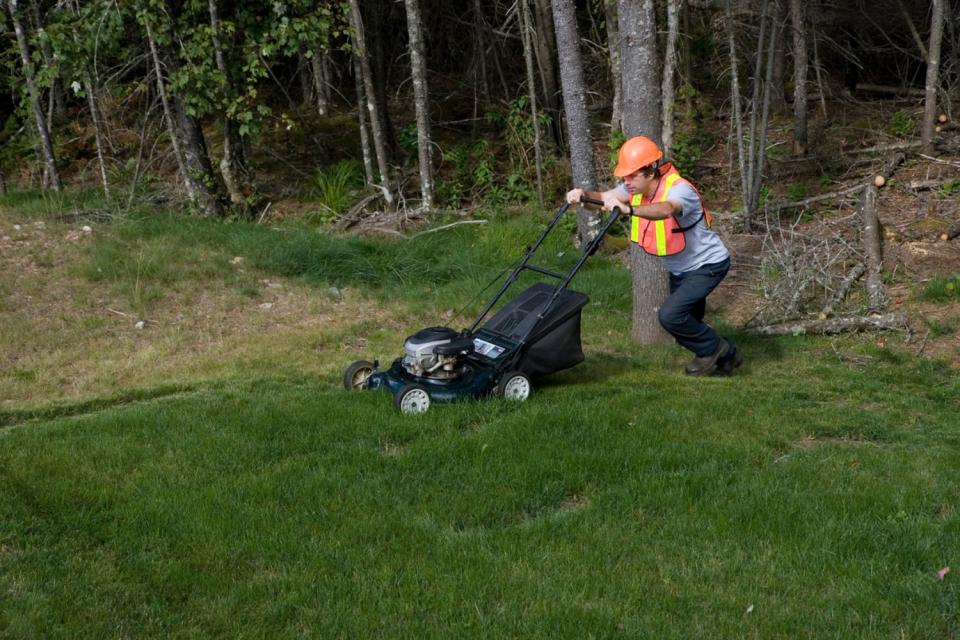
[639, 182]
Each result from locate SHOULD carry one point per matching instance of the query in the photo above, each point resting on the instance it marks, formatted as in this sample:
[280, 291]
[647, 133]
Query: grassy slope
[809, 496]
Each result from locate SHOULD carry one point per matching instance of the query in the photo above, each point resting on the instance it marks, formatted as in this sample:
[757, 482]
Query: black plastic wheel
[355, 377]
[514, 385]
[412, 399]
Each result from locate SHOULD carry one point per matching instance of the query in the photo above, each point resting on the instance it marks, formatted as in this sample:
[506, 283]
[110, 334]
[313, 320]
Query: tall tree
[230, 165]
[669, 72]
[736, 101]
[575, 107]
[641, 116]
[418, 71]
[527, 35]
[546, 48]
[29, 77]
[376, 128]
[933, 75]
[616, 75]
[799, 77]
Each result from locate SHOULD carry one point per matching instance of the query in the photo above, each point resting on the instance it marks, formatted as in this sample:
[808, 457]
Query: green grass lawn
[808, 496]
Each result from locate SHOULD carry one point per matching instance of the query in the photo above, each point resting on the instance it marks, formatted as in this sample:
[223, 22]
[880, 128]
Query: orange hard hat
[635, 154]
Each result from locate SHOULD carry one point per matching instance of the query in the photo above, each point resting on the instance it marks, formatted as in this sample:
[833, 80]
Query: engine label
[488, 349]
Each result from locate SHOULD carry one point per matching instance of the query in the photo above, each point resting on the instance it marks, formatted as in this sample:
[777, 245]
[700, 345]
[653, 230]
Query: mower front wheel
[514, 385]
[357, 374]
[412, 399]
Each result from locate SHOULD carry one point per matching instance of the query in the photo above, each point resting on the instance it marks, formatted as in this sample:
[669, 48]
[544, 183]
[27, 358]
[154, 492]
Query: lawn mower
[535, 334]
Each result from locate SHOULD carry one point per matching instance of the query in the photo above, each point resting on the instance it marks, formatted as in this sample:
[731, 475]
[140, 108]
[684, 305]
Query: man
[668, 219]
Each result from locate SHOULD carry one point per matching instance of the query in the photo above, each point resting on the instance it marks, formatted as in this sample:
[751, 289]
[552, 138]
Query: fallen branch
[852, 276]
[446, 226]
[926, 185]
[826, 196]
[939, 160]
[896, 146]
[840, 324]
[883, 88]
[266, 210]
[353, 215]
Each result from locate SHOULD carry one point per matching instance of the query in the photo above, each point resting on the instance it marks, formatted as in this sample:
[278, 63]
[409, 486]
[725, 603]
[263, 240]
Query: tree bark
[190, 151]
[480, 54]
[379, 141]
[777, 96]
[641, 116]
[578, 119]
[736, 100]
[525, 31]
[867, 207]
[320, 75]
[362, 117]
[28, 75]
[616, 68]
[933, 75]
[98, 136]
[668, 93]
[761, 149]
[418, 71]
[546, 50]
[230, 167]
[797, 20]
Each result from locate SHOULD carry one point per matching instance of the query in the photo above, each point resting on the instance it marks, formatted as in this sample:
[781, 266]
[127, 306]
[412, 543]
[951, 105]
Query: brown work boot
[706, 365]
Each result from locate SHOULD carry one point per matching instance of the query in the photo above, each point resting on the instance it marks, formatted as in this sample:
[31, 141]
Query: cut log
[840, 324]
[926, 185]
[951, 233]
[867, 208]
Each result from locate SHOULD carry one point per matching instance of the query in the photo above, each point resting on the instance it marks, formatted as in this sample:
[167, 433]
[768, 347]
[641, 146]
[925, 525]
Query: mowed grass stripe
[644, 505]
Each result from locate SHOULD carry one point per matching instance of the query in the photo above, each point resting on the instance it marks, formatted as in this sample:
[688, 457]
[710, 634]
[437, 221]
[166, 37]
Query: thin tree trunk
[754, 106]
[933, 74]
[525, 32]
[799, 77]
[668, 94]
[379, 142]
[816, 69]
[229, 164]
[98, 137]
[545, 48]
[616, 75]
[480, 55]
[777, 96]
[362, 117]
[578, 118]
[418, 70]
[641, 116]
[735, 99]
[320, 76]
[28, 74]
[764, 121]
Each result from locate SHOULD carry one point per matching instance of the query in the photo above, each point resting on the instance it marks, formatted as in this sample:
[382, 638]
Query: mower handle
[593, 201]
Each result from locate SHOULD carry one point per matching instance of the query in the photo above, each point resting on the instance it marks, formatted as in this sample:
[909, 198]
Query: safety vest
[663, 237]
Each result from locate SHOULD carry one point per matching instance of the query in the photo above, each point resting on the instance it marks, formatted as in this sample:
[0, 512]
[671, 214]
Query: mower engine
[436, 352]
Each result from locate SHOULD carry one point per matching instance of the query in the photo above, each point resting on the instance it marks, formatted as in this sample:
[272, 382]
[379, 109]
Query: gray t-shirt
[704, 246]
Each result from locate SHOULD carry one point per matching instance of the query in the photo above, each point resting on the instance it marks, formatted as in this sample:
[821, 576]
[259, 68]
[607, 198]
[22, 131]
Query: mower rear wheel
[357, 374]
[412, 399]
[514, 385]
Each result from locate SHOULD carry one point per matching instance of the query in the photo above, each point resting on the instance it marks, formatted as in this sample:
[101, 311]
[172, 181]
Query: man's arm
[611, 198]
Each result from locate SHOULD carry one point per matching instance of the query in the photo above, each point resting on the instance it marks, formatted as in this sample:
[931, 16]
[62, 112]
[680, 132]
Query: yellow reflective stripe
[668, 182]
[635, 228]
[661, 229]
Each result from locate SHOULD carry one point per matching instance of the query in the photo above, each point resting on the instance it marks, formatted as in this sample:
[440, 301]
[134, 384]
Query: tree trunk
[57, 100]
[379, 141]
[480, 52]
[933, 74]
[187, 139]
[320, 76]
[736, 100]
[754, 106]
[668, 93]
[98, 137]
[616, 75]
[761, 149]
[578, 119]
[28, 75]
[527, 36]
[230, 167]
[777, 97]
[546, 50]
[799, 77]
[418, 71]
[362, 117]
[641, 116]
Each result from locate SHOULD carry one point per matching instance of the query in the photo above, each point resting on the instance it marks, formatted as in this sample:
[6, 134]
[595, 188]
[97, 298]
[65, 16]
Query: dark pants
[682, 314]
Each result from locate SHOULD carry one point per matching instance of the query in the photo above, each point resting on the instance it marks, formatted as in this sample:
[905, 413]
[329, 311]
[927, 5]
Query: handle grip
[593, 201]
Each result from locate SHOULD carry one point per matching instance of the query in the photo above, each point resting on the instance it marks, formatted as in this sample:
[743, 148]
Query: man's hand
[611, 201]
[574, 195]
